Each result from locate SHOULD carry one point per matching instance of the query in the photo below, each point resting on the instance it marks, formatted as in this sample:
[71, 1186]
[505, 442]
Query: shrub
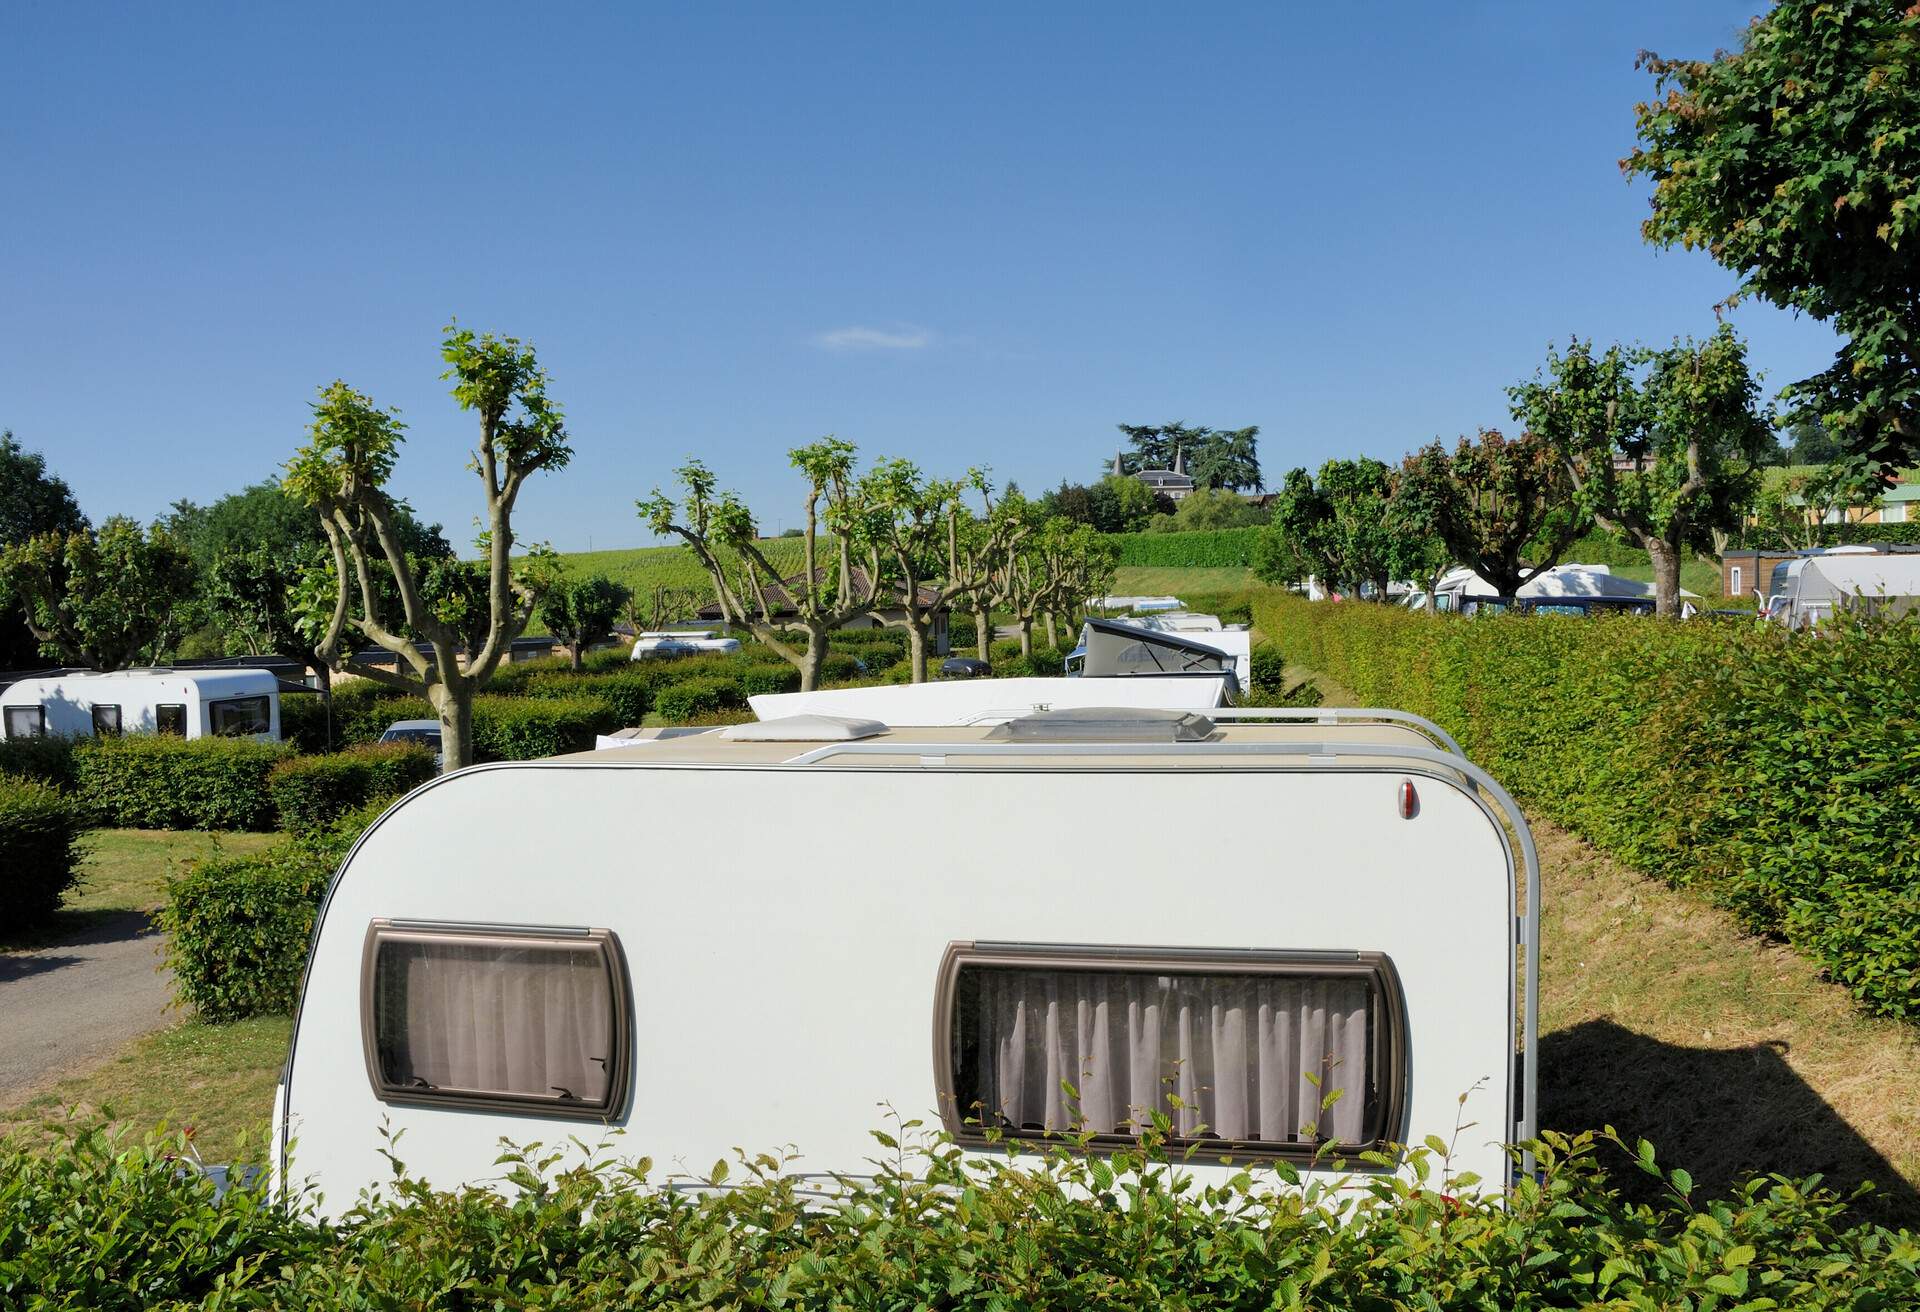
[689, 699]
[628, 692]
[755, 680]
[39, 850]
[311, 792]
[48, 758]
[144, 781]
[95, 1221]
[303, 721]
[1224, 548]
[531, 728]
[238, 929]
[1775, 771]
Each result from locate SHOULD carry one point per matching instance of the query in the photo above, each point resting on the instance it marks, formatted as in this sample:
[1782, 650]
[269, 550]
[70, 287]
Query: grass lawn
[1729, 1053]
[1696, 575]
[1155, 581]
[126, 870]
[216, 1079]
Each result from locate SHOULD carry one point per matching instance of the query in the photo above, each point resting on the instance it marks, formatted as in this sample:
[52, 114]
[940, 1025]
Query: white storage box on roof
[948, 921]
[219, 703]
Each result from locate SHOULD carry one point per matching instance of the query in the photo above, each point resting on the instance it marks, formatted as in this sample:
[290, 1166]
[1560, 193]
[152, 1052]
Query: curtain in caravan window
[1251, 1057]
[495, 1020]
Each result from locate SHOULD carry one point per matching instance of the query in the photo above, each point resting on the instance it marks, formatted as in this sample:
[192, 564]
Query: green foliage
[1343, 527]
[312, 792]
[756, 680]
[48, 758]
[1831, 535]
[1780, 773]
[1214, 458]
[628, 692]
[102, 1223]
[105, 598]
[1503, 506]
[145, 781]
[1219, 549]
[580, 611]
[1794, 160]
[39, 850]
[688, 699]
[533, 728]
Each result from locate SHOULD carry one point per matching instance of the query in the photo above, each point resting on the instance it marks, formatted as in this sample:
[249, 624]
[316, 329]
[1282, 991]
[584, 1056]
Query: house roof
[782, 602]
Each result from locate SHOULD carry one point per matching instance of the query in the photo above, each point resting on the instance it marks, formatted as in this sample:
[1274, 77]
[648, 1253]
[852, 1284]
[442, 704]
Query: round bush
[39, 850]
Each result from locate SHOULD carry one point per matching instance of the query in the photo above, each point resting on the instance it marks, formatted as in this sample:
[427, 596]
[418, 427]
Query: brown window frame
[1388, 1011]
[159, 719]
[613, 958]
[118, 722]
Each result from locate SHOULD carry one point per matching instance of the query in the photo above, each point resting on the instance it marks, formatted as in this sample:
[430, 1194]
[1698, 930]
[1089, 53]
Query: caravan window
[524, 1020]
[106, 721]
[170, 719]
[26, 722]
[1269, 1054]
[238, 717]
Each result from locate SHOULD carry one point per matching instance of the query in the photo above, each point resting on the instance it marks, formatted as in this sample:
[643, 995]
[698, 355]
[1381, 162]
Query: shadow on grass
[1722, 1113]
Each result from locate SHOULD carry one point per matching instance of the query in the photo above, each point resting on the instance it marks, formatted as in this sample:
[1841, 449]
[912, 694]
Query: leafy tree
[1072, 501]
[580, 612]
[342, 472]
[1123, 504]
[1338, 527]
[1660, 445]
[1416, 550]
[649, 612]
[1208, 508]
[1794, 161]
[101, 599]
[1791, 509]
[1505, 507]
[32, 502]
[1051, 570]
[1813, 442]
[1216, 458]
[824, 596]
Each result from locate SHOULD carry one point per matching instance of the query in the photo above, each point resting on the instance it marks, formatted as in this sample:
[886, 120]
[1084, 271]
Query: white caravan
[966, 701]
[188, 703]
[1813, 589]
[690, 642]
[930, 922]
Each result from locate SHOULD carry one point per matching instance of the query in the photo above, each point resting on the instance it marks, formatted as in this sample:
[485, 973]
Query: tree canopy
[1215, 458]
[104, 599]
[1503, 506]
[1794, 161]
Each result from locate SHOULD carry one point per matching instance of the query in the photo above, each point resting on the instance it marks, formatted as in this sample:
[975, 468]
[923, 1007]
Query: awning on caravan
[1876, 583]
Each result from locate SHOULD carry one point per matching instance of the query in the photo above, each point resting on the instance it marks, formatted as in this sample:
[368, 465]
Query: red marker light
[1409, 800]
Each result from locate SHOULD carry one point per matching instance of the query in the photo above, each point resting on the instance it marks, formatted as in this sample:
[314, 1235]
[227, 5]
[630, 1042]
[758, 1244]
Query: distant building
[1173, 484]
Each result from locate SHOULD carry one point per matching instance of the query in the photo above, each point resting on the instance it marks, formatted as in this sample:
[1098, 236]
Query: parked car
[964, 667]
[426, 733]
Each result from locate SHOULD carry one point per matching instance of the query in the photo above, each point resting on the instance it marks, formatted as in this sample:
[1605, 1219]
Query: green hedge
[239, 928]
[755, 680]
[1778, 772]
[146, 781]
[678, 703]
[48, 758]
[95, 1221]
[505, 728]
[1222, 548]
[312, 792]
[39, 851]
[1836, 535]
[628, 692]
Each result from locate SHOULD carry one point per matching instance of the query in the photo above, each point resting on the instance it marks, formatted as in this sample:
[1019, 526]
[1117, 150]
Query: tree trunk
[1026, 637]
[575, 650]
[917, 648]
[1053, 634]
[983, 633]
[1666, 577]
[455, 709]
[816, 656]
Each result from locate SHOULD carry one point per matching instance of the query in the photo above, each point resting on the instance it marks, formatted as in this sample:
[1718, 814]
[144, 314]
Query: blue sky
[977, 234]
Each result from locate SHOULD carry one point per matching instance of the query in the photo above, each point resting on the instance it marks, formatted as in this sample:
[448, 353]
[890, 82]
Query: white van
[189, 703]
[954, 923]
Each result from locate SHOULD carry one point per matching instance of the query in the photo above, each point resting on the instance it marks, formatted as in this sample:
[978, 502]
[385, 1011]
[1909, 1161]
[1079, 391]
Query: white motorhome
[1353, 966]
[665, 645]
[189, 703]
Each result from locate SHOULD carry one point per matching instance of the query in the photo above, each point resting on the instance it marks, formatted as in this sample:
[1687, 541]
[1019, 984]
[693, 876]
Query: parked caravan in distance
[1352, 967]
[966, 701]
[213, 703]
[1814, 589]
[690, 642]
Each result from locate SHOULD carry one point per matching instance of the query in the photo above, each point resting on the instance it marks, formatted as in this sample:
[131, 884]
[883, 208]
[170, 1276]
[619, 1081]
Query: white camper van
[997, 909]
[188, 703]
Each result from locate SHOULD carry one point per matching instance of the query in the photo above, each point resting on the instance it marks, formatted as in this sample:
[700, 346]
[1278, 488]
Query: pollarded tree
[1662, 445]
[751, 592]
[102, 599]
[1504, 507]
[467, 616]
[983, 543]
[1794, 160]
[580, 612]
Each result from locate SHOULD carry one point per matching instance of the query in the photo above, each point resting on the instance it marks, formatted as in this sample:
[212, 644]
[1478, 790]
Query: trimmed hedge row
[48, 758]
[1221, 548]
[39, 851]
[148, 781]
[312, 792]
[1778, 772]
[1837, 535]
[238, 928]
[94, 1221]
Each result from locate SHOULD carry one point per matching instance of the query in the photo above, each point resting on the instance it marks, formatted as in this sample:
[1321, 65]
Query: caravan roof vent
[804, 729]
[1106, 724]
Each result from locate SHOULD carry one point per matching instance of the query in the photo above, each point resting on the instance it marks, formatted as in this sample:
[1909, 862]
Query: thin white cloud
[874, 339]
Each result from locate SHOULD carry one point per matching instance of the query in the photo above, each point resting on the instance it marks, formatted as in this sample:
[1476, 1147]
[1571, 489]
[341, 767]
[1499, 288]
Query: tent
[1886, 584]
[1560, 581]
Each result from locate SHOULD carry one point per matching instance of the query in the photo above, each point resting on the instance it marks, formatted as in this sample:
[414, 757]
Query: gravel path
[70, 1004]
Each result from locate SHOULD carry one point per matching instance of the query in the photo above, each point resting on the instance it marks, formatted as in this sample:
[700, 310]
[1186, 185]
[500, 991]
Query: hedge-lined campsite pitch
[1778, 773]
